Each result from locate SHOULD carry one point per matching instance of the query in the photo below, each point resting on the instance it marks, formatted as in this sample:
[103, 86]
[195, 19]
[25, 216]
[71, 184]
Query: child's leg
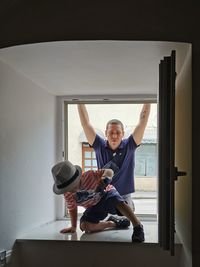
[92, 219]
[95, 227]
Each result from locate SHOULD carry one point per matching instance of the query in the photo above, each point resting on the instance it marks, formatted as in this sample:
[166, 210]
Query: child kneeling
[93, 191]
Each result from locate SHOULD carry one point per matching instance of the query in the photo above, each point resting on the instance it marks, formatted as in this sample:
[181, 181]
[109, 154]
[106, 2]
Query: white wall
[28, 149]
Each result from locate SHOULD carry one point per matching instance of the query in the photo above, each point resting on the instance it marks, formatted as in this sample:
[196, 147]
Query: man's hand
[71, 229]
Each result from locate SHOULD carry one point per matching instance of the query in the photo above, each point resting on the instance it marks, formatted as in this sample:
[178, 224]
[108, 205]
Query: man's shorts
[106, 205]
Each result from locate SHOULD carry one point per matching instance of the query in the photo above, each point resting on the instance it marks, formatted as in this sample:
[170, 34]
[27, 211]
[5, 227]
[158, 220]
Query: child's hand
[71, 229]
[103, 183]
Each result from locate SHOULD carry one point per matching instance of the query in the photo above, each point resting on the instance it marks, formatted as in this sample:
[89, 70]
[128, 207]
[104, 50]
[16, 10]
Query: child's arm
[107, 173]
[105, 179]
[73, 217]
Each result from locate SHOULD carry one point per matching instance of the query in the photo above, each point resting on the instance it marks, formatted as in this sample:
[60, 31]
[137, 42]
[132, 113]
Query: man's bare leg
[138, 232]
[128, 212]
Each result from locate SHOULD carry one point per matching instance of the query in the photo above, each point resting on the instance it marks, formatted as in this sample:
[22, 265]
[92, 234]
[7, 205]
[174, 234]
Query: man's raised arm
[140, 128]
[85, 122]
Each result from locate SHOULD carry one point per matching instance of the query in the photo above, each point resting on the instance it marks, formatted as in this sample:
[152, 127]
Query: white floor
[145, 203]
[51, 231]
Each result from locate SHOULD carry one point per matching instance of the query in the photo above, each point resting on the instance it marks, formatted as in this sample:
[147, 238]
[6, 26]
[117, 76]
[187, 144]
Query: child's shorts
[106, 205]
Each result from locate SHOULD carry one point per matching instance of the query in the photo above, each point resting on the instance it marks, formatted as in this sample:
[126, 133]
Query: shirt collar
[119, 147]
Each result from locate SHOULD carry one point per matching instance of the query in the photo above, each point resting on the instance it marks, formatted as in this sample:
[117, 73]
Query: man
[117, 150]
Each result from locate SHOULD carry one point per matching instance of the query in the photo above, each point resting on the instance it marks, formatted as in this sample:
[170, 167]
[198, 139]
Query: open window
[80, 153]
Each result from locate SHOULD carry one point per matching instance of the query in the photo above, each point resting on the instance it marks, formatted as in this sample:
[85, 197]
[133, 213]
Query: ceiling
[93, 67]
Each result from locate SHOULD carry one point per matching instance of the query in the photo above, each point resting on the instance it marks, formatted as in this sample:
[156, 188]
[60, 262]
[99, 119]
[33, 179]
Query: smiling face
[114, 134]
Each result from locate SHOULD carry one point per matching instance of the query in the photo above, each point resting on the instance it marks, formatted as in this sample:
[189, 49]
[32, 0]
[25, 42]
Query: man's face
[114, 134]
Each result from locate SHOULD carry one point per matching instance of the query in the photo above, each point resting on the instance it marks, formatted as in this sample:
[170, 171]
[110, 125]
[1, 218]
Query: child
[93, 191]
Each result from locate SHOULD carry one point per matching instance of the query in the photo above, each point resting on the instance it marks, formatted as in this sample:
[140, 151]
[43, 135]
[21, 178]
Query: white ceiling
[93, 67]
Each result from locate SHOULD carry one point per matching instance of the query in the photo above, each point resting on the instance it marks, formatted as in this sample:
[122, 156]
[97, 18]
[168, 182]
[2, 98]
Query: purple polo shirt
[123, 180]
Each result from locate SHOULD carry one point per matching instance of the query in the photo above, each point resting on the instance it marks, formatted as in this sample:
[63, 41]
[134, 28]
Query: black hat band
[73, 178]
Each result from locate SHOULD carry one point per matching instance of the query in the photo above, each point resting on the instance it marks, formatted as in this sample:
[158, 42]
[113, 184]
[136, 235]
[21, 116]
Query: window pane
[151, 166]
[140, 166]
[87, 154]
[93, 155]
[87, 162]
[146, 160]
[94, 162]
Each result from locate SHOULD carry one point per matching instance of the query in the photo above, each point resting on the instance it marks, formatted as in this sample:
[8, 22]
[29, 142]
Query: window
[146, 160]
[88, 158]
[81, 153]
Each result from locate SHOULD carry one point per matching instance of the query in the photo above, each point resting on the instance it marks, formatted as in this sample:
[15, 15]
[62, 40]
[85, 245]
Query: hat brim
[68, 188]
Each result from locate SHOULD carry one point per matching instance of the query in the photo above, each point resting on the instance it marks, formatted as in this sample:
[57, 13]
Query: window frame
[85, 147]
[136, 99]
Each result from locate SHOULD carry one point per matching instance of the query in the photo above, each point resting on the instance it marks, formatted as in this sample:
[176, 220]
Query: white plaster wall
[183, 156]
[27, 153]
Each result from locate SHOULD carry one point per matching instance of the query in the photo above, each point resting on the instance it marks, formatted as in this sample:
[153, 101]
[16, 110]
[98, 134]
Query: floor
[51, 231]
[143, 205]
